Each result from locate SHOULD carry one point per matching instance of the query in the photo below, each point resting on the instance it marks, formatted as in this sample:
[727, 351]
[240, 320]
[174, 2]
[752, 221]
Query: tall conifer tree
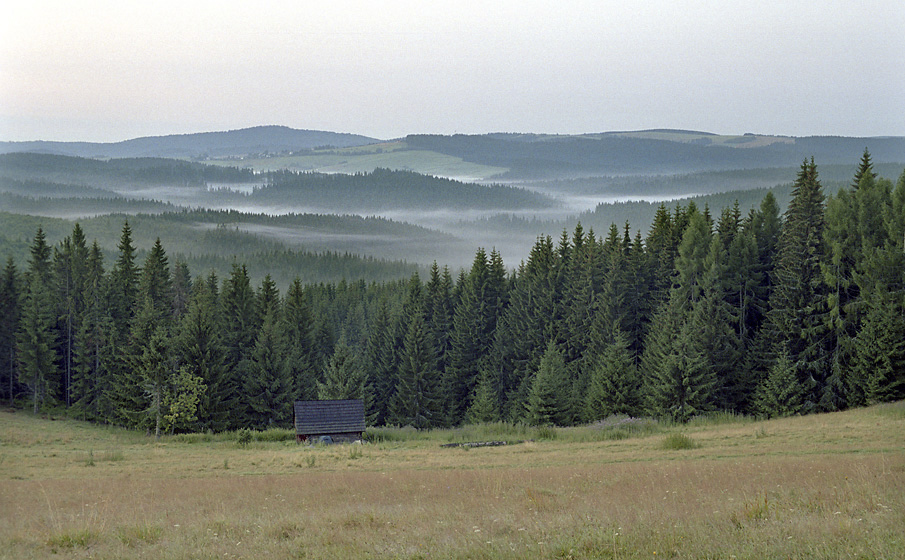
[10, 311]
[37, 339]
[267, 388]
[93, 344]
[199, 347]
[416, 402]
[299, 321]
[799, 300]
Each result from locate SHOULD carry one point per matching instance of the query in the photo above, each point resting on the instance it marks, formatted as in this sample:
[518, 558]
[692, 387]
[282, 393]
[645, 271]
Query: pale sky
[109, 71]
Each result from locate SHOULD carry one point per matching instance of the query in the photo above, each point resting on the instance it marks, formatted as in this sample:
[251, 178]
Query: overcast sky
[109, 71]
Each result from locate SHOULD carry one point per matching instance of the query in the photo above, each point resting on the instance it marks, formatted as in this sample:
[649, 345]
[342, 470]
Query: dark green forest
[210, 240]
[385, 189]
[766, 313]
[28, 181]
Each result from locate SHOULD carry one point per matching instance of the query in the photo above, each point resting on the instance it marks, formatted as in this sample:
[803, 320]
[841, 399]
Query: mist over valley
[446, 195]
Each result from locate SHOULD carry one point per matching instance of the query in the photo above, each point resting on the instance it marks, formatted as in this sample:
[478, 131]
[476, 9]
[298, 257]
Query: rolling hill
[232, 143]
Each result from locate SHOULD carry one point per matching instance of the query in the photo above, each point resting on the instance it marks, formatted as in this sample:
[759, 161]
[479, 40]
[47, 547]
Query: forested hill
[530, 156]
[115, 174]
[256, 140]
[385, 189]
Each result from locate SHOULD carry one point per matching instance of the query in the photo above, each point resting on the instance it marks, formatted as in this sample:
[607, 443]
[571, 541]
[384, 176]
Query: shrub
[243, 437]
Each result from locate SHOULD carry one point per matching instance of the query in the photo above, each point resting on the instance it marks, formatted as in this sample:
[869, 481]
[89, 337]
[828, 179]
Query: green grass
[675, 441]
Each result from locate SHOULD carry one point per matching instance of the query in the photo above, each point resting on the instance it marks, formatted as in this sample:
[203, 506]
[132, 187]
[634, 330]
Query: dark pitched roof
[329, 417]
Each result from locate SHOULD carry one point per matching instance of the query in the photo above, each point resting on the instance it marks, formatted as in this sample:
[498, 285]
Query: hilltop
[231, 143]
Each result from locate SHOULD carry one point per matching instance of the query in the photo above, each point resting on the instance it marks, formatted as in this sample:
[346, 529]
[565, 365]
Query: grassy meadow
[821, 486]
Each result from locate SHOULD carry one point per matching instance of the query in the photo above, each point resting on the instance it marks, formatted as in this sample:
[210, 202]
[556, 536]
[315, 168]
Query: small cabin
[339, 420]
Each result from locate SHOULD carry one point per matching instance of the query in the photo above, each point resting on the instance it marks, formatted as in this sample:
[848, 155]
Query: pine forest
[762, 314]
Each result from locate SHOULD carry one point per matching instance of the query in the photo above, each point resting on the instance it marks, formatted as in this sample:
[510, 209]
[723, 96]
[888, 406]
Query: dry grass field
[821, 486]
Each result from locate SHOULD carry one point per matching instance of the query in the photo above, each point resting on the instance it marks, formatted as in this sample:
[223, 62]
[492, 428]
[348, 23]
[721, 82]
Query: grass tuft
[719, 418]
[136, 535]
[80, 538]
[676, 441]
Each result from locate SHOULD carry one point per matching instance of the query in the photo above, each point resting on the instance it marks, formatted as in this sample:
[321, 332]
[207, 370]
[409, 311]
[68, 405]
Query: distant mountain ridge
[539, 157]
[509, 156]
[230, 143]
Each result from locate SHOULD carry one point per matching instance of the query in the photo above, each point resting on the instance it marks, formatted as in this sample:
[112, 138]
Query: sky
[106, 71]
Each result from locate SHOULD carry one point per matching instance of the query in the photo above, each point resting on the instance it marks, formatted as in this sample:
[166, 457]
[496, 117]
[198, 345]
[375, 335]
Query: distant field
[367, 158]
[736, 141]
[821, 486]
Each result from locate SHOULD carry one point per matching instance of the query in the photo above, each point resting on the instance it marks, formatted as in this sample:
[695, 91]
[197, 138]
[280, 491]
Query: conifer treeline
[759, 314]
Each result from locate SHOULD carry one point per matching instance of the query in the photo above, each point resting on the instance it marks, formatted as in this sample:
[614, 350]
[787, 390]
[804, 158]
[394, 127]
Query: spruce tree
[240, 327]
[416, 402]
[865, 170]
[298, 319]
[439, 308]
[798, 304]
[122, 297]
[547, 403]
[474, 322]
[155, 285]
[93, 344]
[661, 248]
[613, 306]
[579, 299]
[678, 368]
[129, 390]
[614, 383]
[10, 310]
[36, 338]
[531, 319]
[781, 393]
[679, 380]
[268, 298]
[154, 368]
[201, 355]
[124, 284]
[343, 377]
[485, 406]
[381, 357]
[267, 386]
[714, 327]
[182, 289]
[70, 263]
[856, 238]
[878, 369]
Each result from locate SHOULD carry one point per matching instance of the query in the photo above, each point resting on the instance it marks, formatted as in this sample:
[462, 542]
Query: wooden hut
[341, 420]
